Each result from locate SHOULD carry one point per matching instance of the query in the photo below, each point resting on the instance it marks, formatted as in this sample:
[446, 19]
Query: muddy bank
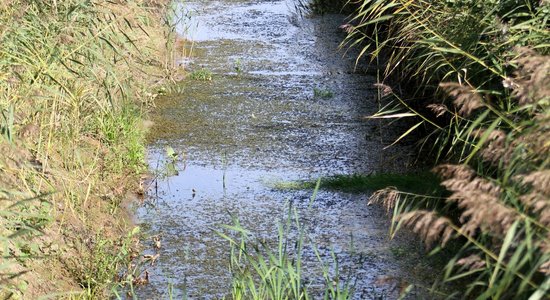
[282, 104]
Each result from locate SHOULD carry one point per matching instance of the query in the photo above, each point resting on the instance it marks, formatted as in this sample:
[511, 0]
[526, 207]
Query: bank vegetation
[477, 91]
[76, 80]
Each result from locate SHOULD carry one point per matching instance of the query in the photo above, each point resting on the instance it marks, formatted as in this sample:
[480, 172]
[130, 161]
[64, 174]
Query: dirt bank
[76, 79]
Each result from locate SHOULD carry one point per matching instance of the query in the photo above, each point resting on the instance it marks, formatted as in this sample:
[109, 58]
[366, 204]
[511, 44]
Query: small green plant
[7, 123]
[238, 67]
[201, 75]
[322, 93]
[104, 269]
[172, 158]
[263, 271]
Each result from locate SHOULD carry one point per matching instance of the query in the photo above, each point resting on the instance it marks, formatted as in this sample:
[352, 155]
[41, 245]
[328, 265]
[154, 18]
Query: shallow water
[246, 129]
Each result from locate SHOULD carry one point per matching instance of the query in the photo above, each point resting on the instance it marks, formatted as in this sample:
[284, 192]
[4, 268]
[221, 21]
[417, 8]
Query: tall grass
[76, 79]
[482, 102]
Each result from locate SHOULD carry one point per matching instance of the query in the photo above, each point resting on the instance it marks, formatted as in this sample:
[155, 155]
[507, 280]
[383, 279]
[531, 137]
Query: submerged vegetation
[75, 81]
[322, 93]
[420, 182]
[482, 100]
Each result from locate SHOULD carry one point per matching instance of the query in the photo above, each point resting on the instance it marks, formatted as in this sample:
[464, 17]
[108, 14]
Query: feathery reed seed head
[465, 99]
[447, 171]
[532, 82]
[384, 89]
[428, 225]
[471, 262]
[388, 197]
[438, 109]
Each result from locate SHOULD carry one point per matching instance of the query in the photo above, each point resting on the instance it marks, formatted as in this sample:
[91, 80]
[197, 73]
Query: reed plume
[429, 226]
[465, 98]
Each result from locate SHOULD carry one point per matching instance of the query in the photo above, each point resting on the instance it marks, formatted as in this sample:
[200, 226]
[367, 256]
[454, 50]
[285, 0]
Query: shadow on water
[262, 119]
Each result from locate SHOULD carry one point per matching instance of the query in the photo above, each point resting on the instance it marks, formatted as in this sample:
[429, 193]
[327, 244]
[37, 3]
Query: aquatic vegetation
[480, 69]
[261, 271]
[419, 182]
[201, 74]
[322, 93]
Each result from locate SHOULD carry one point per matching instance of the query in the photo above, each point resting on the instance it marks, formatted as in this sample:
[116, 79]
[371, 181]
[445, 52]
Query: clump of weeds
[322, 93]
[238, 67]
[201, 75]
[264, 271]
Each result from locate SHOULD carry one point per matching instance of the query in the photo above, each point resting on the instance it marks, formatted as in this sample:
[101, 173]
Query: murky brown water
[243, 130]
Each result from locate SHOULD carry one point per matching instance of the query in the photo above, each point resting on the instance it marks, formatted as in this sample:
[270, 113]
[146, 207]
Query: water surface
[259, 121]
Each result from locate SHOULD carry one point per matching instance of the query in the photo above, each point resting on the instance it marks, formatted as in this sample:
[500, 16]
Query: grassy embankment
[76, 80]
[481, 72]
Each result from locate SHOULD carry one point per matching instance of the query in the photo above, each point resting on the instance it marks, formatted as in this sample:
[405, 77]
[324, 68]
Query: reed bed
[76, 78]
[480, 102]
